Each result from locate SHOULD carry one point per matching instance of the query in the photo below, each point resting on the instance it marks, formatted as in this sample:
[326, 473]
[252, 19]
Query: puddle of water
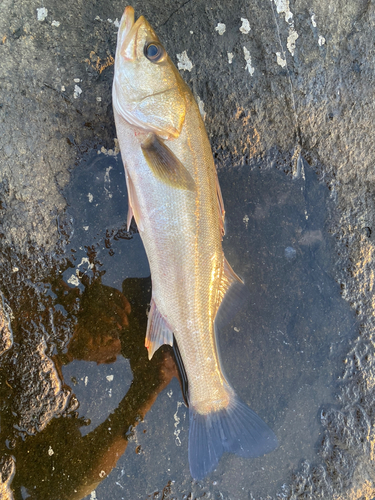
[98, 205]
[98, 388]
[282, 352]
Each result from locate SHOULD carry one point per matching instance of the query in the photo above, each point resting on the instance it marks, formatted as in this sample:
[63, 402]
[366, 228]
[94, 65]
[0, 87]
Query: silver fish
[175, 198]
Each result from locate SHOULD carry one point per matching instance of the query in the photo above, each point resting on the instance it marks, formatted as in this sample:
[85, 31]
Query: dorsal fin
[232, 294]
[229, 277]
[220, 206]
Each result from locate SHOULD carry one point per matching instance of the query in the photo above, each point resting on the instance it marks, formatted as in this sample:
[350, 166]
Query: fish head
[148, 91]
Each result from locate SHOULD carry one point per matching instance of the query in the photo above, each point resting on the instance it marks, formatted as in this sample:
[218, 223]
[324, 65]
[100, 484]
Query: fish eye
[154, 52]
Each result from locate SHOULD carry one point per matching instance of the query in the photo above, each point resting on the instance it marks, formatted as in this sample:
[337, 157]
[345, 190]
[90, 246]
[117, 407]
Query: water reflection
[61, 461]
[78, 346]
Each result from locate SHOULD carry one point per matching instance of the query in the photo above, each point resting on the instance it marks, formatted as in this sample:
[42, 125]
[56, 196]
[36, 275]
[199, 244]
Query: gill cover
[148, 91]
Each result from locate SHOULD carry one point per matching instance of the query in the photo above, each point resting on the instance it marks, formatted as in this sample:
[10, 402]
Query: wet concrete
[83, 412]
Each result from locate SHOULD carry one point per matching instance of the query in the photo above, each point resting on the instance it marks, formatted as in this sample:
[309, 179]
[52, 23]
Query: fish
[175, 199]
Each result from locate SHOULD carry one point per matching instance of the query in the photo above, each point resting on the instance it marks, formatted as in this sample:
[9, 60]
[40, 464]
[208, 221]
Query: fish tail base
[235, 429]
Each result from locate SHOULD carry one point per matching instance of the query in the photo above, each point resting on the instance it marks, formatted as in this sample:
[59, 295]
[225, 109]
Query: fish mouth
[126, 23]
[128, 29]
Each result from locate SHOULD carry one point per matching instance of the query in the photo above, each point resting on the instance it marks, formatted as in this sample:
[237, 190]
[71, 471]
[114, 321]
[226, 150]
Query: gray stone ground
[300, 82]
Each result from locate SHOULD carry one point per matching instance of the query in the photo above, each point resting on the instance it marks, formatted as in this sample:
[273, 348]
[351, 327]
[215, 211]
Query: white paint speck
[184, 62]
[50, 451]
[177, 420]
[291, 41]
[15, 269]
[106, 175]
[170, 393]
[86, 228]
[85, 260]
[201, 108]
[191, 32]
[313, 20]
[245, 28]
[282, 7]
[97, 18]
[321, 40]
[102, 474]
[246, 220]
[280, 59]
[93, 495]
[63, 88]
[116, 23]
[77, 80]
[98, 99]
[77, 91]
[247, 57]
[73, 280]
[220, 28]
[109, 20]
[108, 152]
[55, 23]
[109, 378]
[236, 329]
[90, 197]
[41, 13]
[86, 380]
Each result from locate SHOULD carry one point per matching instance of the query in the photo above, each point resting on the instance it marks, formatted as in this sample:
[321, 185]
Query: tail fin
[235, 429]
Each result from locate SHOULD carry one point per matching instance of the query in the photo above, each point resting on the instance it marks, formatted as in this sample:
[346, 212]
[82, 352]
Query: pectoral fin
[165, 165]
[158, 331]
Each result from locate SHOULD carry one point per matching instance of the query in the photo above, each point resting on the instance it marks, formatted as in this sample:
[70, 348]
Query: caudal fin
[236, 429]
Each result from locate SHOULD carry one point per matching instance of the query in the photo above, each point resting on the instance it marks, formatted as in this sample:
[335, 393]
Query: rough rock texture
[298, 84]
[6, 336]
[6, 475]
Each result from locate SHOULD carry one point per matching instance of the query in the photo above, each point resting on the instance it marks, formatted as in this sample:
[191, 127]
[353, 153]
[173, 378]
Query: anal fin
[158, 331]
